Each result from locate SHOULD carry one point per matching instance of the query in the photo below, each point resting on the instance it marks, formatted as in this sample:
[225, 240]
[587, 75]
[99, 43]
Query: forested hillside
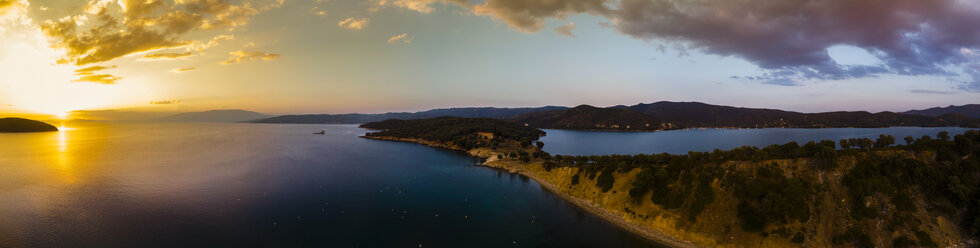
[462, 132]
[863, 193]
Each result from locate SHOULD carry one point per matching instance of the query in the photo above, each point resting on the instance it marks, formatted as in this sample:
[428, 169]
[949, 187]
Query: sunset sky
[340, 56]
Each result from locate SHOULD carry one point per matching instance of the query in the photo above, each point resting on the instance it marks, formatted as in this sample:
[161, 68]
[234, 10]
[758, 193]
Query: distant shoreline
[731, 128]
[490, 160]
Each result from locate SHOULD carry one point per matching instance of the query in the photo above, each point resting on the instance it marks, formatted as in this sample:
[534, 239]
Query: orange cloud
[4, 4]
[167, 55]
[242, 56]
[165, 102]
[184, 69]
[422, 6]
[401, 37]
[91, 69]
[566, 29]
[99, 79]
[141, 26]
[354, 24]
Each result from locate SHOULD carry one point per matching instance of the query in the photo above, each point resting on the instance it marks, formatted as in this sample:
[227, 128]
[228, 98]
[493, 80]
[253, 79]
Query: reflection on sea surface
[211, 185]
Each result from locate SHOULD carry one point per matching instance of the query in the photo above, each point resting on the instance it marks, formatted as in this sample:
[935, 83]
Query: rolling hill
[21, 125]
[673, 115]
[589, 117]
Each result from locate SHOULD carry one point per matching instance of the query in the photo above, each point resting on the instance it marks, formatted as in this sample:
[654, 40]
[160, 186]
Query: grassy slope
[718, 225]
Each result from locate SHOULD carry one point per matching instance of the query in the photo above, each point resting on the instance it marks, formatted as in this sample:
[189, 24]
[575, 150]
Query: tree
[865, 143]
[963, 144]
[909, 140]
[884, 141]
[943, 135]
[539, 144]
[844, 145]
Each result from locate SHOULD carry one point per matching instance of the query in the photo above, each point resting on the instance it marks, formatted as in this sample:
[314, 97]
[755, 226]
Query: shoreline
[650, 234]
[490, 161]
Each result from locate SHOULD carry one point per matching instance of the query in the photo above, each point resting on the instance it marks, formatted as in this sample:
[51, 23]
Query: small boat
[320, 132]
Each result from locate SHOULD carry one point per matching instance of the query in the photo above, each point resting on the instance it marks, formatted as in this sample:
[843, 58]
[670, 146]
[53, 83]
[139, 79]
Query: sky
[372, 56]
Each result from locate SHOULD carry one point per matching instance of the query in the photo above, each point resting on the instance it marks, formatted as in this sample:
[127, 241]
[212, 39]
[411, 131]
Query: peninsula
[20, 125]
[847, 193]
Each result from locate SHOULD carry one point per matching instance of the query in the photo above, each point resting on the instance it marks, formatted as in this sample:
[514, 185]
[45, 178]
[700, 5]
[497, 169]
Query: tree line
[950, 180]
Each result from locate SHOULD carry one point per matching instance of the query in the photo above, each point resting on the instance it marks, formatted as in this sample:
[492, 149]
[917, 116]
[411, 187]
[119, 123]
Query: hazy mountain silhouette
[971, 110]
[233, 115]
[482, 112]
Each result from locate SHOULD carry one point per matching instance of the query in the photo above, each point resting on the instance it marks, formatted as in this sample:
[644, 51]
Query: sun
[40, 85]
[62, 115]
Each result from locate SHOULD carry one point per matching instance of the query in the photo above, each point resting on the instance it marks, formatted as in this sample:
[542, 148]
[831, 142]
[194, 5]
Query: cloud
[790, 38]
[4, 4]
[529, 15]
[167, 55]
[787, 39]
[98, 78]
[934, 92]
[199, 46]
[401, 37]
[353, 23]
[109, 29]
[242, 56]
[422, 6]
[566, 29]
[184, 69]
[972, 85]
[165, 102]
[91, 69]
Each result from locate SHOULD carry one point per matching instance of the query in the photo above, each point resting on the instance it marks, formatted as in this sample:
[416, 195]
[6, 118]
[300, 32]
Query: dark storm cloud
[789, 39]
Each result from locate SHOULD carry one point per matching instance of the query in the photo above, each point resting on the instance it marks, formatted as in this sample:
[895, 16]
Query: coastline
[490, 160]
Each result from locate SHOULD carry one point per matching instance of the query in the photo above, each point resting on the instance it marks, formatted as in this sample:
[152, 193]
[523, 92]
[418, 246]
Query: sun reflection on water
[62, 161]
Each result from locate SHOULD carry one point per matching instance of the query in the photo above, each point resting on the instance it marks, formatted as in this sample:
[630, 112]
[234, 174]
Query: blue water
[570, 142]
[257, 185]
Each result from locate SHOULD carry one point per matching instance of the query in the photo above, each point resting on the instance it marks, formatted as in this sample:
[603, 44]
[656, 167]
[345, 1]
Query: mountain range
[484, 112]
[666, 115]
[971, 110]
[677, 115]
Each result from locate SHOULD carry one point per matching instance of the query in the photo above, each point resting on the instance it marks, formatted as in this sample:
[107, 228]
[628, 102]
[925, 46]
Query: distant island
[229, 115]
[20, 125]
[668, 116]
[852, 192]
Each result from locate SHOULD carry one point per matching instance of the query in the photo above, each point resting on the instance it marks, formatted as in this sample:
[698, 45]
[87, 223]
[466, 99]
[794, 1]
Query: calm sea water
[570, 142]
[251, 185]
